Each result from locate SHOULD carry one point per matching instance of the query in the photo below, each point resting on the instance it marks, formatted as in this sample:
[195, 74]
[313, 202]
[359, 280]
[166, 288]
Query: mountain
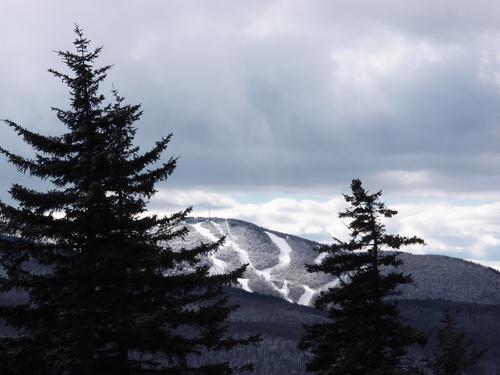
[276, 284]
[280, 324]
[276, 290]
[276, 266]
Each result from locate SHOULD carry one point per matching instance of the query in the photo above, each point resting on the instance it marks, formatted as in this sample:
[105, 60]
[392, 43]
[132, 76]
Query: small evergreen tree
[365, 336]
[105, 291]
[455, 354]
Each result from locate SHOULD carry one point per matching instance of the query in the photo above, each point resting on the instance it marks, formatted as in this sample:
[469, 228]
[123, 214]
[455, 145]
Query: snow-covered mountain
[470, 292]
[276, 266]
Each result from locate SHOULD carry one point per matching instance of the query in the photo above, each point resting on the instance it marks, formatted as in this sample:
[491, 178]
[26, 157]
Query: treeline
[103, 292]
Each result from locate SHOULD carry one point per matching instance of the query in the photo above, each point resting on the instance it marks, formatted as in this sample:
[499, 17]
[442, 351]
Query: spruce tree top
[365, 335]
[368, 237]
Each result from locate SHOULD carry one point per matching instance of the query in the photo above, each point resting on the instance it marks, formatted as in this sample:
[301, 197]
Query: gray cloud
[282, 94]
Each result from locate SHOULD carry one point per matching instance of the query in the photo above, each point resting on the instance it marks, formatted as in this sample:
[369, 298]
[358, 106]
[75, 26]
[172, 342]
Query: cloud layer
[462, 230]
[283, 93]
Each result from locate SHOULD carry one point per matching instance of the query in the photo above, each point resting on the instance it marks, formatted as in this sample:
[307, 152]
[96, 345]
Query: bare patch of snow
[218, 266]
[244, 285]
[204, 232]
[285, 250]
[283, 259]
[285, 291]
[331, 284]
[320, 258]
[306, 298]
[218, 226]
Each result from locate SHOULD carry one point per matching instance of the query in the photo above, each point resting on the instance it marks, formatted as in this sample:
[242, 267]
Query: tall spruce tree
[365, 336]
[105, 292]
[455, 354]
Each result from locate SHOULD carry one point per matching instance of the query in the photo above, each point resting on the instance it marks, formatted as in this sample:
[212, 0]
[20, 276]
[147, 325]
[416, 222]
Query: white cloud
[382, 55]
[466, 230]
[182, 198]
[309, 218]
[462, 230]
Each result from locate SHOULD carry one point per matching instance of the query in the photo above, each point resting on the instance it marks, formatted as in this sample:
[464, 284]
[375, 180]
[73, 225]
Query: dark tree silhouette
[104, 291]
[455, 354]
[365, 336]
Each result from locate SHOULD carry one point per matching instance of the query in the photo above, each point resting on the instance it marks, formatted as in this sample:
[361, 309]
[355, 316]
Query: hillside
[280, 324]
[275, 292]
[276, 266]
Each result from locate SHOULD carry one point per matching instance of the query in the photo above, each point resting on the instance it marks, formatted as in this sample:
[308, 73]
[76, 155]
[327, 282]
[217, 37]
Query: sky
[277, 105]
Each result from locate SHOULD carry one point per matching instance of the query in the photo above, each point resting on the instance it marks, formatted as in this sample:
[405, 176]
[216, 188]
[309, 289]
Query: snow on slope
[309, 293]
[276, 266]
[204, 231]
[265, 273]
[244, 284]
[243, 254]
[218, 265]
[306, 298]
[320, 258]
[283, 258]
[285, 250]
[272, 276]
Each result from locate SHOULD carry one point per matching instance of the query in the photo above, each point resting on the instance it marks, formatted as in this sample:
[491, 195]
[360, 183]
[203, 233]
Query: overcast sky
[276, 105]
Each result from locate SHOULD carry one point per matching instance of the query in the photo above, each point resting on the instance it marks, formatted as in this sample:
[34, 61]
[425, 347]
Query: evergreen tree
[455, 354]
[365, 336]
[105, 291]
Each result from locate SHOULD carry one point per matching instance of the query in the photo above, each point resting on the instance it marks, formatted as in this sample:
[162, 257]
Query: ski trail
[204, 232]
[283, 261]
[306, 297]
[283, 258]
[284, 290]
[320, 258]
[285, 250]
[331, 284]
[218, 266]
[218, 226]
[265, 273]
[244, 285]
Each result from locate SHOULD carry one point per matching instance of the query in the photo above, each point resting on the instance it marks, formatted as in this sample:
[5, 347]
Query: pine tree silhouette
[455, 354]
[105, 291]
[365, 336]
